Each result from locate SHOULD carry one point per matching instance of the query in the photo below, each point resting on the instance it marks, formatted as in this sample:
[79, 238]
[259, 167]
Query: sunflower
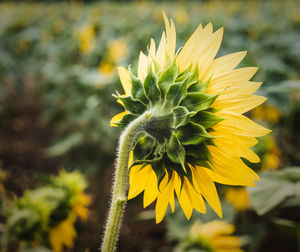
[196, 133]
[214, 236]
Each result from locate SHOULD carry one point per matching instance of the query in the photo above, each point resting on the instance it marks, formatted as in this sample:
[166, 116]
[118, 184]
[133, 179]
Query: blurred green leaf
[274, 188]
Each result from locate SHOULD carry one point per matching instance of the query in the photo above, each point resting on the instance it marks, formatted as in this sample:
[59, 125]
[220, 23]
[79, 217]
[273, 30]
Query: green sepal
[195, 102]
[167, 77]
[143, 148]
[192, 79]
[206, 119]
[194, 161]
[156, 66]
[182, 76]
[160, 172]
[137, 90]
[126, 119]
[192, 134]
[181, 116]
[199, 152]
[131, 105]
[149, 160]
[175, 151]
[199, 86]
[176, 92]
[151, 89]
[210, 142]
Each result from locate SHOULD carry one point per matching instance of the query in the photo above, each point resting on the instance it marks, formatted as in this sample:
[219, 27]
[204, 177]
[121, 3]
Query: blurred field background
[57, 73]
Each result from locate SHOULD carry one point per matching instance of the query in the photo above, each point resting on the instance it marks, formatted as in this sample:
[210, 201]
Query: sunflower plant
[46, 215]
[184, 127]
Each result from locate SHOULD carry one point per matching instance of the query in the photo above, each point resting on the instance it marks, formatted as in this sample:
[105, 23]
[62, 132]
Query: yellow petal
[151, 190]
[171, 37]
[238, 148]
[224, 80]
[164, 197]
[232, 167]
[152, 49]
[125, 80]
[240, 125]
[236, 89]
[161, 51]
[206, 58]
[207, 188]
[142, 66]
[217, 177]
[196, 199]
[204, 42]
[189, 49]
[228, 62]
[241, 104]
[184, 198]
[137, 180]
[117, 118]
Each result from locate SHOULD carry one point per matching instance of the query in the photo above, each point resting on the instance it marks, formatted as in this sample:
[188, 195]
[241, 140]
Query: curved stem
[119, 197]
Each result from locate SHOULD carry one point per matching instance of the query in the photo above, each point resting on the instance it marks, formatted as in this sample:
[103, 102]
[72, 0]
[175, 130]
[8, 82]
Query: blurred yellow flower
[215, 236]
[117, 49]
[238, 197]
[86, 36]
[80, 206]
[267, 112]
[63, 234]
[271, 158]
[181, 16]
[106, 67]
[75, 184]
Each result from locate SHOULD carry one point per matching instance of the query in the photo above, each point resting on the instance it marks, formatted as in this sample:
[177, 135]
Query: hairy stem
[119, 197]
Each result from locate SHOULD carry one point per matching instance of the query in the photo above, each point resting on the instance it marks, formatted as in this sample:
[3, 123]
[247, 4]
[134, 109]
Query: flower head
[197, 133]
[214, 236]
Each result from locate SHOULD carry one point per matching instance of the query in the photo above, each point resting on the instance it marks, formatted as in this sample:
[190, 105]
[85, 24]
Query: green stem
[119, 197]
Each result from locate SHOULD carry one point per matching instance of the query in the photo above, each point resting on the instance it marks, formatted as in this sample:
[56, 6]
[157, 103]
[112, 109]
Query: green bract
[177, 133]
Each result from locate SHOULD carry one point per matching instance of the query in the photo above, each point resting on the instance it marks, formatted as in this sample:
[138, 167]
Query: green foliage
[274, 188]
